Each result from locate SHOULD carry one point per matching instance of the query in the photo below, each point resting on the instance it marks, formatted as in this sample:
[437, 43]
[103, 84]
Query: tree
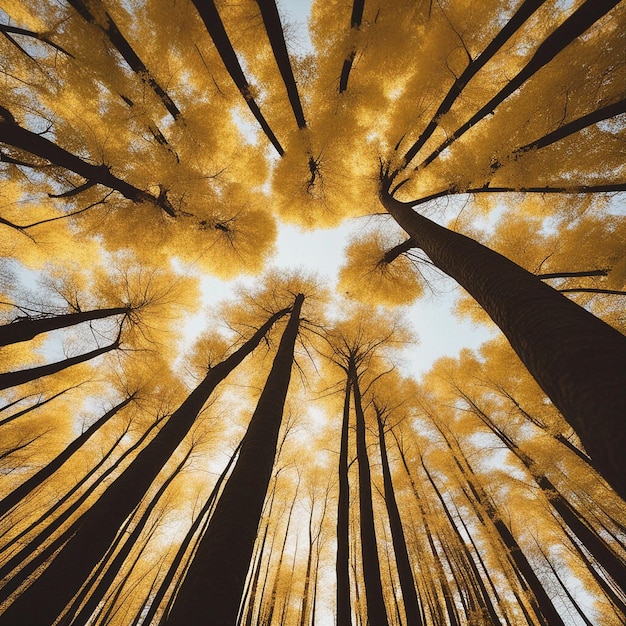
[151, 153]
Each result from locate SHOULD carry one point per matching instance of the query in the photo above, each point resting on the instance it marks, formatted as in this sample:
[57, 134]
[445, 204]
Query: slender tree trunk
[304, 608]
[575, 357]
[117, 563]
[355, 23]
[403, 564]
[374, 597]
[45, 472]
[211, 591]
[13, 379]
[342, 566]
[274, 29]
[526, 9]
[14, 135]
[27, 551]
[180, 553]
[119, 42]
[583, 18]
[211, 18]
[97, 527]
[584, 532]
[25, 329]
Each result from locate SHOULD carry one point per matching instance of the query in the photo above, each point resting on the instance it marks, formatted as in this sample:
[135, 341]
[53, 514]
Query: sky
[440, 332]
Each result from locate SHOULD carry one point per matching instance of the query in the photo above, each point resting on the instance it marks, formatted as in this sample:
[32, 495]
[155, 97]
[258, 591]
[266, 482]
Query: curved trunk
[211, 591]
[374, 597]
[44, 600]
[575, 357]
[23, 330]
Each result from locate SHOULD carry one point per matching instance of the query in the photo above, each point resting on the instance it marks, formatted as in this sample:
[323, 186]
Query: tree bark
[9, 501]
[403, 564]
[25, 329]
[211, 591]
[575, 357]
[374, 597]
[97, 527]
[342, 566]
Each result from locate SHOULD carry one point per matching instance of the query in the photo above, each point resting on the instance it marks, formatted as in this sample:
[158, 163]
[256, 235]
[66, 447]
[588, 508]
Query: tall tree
[214, 582]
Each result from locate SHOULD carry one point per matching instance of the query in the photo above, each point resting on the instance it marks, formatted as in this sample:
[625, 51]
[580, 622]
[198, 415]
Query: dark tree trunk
[211, 18]
[355, 23]
[403, 564]
[575, 357]
[526, 9]
[13, 379]
[583, 18]
[37, 541]
[180, 553]
[120, 43]
[211, 591]
[45, 472]
[342, 567]
[582, 274]
[14, 135]
[97, 527]
[584, 532]
[35, 406]
[274, 29]
[117, 563]
[25, 329]
[374, 598]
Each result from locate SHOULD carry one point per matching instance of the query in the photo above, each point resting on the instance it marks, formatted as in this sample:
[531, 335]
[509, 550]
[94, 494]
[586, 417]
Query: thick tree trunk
[13, 379]
[212, 589]
[342, 567]
[374, 597]
[97, 527]
[25, 329]
[576, 358]
[403, 564]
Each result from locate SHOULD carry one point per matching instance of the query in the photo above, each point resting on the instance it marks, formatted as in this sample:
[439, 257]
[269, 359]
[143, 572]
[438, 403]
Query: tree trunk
[25, 329]
[575, 357]
[120, 43]
[274, 29]
[374, 598]
[211, 18]
[97, 527]
[403, 564]
[211, 591]
[8, 502]
[355, 23]
[13, 379]
[342, 566]
[14, 135]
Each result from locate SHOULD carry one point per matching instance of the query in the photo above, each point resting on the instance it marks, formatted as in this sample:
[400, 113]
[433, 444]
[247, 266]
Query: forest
[194, 433]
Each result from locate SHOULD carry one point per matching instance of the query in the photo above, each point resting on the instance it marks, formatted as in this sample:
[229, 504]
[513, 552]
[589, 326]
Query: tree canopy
[173, 456]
